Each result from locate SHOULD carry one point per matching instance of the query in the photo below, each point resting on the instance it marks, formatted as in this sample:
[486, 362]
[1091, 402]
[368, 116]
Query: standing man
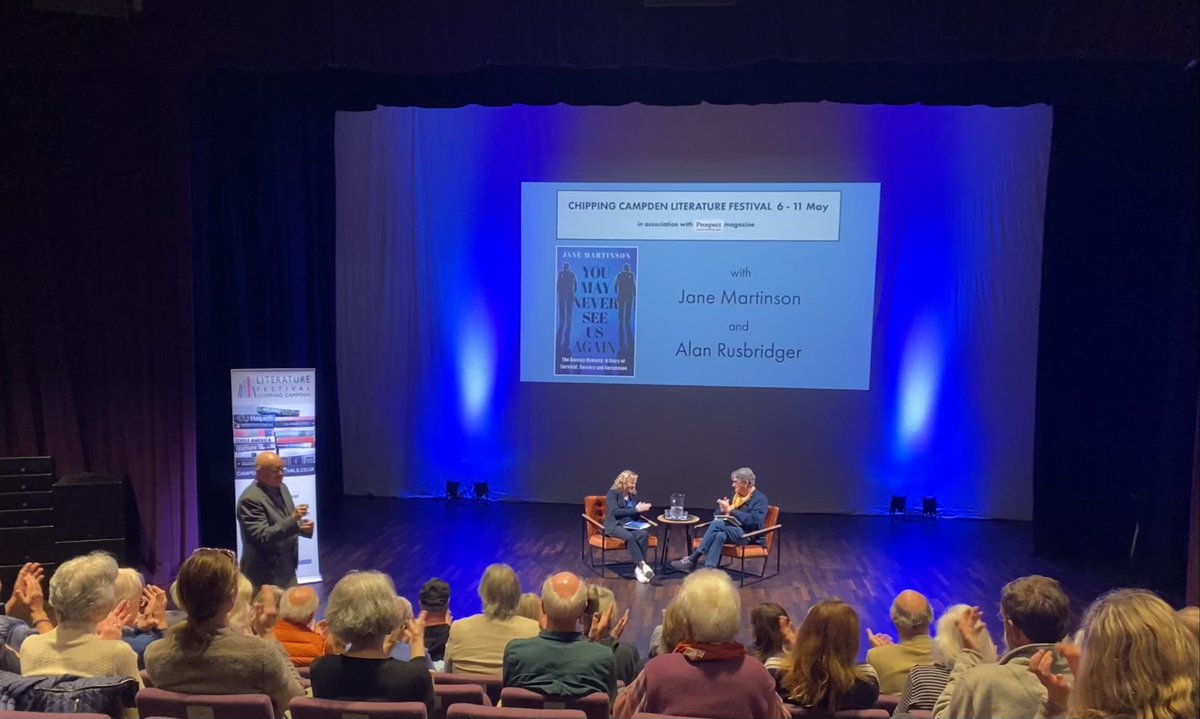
[748, 507]
[270, 526]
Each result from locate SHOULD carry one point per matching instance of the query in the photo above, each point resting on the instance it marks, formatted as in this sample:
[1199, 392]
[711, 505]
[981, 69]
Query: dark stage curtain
[263, 227]
[438, 38]
[96, 290]
[1117, 354]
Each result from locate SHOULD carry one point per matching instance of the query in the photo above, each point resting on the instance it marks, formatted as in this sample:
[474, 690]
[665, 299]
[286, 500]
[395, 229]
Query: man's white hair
[745, 474]
[948, 642]
[298, 605]
[84, 588]
[711, 606]
[564, 608]
[405, 609]
[129, 586]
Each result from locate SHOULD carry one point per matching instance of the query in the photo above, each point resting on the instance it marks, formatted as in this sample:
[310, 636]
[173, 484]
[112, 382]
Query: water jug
[677, 511]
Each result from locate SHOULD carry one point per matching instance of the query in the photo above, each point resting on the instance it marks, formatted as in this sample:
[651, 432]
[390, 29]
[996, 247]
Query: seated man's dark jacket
[753, 514]
[563, 664]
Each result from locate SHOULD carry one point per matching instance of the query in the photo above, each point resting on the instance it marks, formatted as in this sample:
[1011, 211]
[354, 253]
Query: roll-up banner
[275, 410]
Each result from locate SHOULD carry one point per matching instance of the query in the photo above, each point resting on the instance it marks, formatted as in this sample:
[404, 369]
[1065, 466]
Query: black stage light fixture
[452, 491]
[898, 506]
[929, 507]
[481, 491]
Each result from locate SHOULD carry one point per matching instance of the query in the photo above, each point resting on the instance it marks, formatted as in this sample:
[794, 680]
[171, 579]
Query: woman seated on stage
[708, 673]
[203, 656]
[621, 510]
[821, 674]
[365, 613]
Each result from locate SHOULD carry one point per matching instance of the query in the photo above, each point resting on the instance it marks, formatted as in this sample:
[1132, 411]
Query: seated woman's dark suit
[619, 511]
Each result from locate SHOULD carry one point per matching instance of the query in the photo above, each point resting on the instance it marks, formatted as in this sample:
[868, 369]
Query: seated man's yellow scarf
[739, 500]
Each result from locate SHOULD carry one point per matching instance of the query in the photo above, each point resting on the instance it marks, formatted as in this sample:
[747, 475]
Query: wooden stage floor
[862, 560]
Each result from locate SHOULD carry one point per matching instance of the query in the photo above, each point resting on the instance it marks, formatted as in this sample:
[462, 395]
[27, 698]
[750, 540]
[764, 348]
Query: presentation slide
[719, 285]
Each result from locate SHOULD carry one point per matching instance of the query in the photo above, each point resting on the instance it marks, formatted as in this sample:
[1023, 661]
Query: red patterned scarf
[700, 652]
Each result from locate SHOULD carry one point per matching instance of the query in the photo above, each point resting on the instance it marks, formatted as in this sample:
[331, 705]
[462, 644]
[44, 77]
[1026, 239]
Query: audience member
[434, 599]
[560, 661]
[294, 629]
[150, 621]
[820, 674]
[666, 636]
[911, 615]
[707, 674]
[771, 634]
[202, 655]
[401, 647]
[1034, 612]
[926, 681]
[364, 612]
[601, 607]
[243, 608]
[86, 642]
[1190, 616]
[17, 606]
[530, 607]
[476, 644]
[1136, 659]
[24, 615]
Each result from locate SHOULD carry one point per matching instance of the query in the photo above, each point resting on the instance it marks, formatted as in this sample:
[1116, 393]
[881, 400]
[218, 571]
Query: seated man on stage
[748, 507]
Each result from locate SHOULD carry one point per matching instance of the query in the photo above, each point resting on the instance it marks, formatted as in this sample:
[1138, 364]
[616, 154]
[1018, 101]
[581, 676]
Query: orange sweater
[302, 644]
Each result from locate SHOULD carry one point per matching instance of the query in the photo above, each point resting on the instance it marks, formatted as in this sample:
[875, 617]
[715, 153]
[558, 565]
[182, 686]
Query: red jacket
[302, 644]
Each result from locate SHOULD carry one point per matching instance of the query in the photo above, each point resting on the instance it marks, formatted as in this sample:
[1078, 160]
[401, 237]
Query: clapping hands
[153, 612]
[264, 613]
[643, 507]
[603, 620]
[112, 625]
[789, 633]
[27, 598]
[970, 626]
[1058, 690]
[723, 505]
[878, 640]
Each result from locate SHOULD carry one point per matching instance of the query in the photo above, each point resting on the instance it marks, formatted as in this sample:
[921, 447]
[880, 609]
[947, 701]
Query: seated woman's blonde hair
[530, 606]
[621, 483]
[1136, 660]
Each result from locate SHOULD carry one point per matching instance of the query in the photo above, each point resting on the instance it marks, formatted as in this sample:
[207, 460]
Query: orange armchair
[770, 530]
[595, 507]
